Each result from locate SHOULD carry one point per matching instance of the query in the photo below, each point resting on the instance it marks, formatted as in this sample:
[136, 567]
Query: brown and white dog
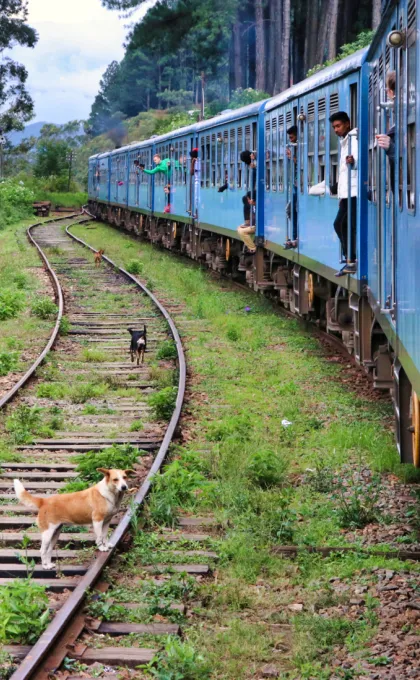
[98, 257]
[95, 505]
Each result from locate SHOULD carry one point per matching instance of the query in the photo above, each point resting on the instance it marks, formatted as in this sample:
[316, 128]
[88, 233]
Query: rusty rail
[33, 661]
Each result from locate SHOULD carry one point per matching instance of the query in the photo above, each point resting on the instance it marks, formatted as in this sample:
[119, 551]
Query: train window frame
[232, 157]
[311, 146]
[333, 157]
[281, 151]
[202, 146]
[219, 158]
[274, 153]
[322, 148]
[301, 142]
[239, 144]
[213, 143]
[267, 154]
[410, 122]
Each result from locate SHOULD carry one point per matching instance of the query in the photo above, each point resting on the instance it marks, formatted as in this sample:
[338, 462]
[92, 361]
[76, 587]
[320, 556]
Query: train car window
[213, 160]
[203, 160]
[219, 161]
[238, 160]
[311, 144]
[411, 106]
[281, 152]
[232, 157]
[225, 169]
[267, 154]
[301, 142]
[208, 161]
[321, 139]
[274, 154]
[401, 126]
[248, 141]
[334, 107]
[375, 130]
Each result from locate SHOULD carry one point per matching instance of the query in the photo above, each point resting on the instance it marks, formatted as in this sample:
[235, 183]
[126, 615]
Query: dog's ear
[104, 471]
[130, 473]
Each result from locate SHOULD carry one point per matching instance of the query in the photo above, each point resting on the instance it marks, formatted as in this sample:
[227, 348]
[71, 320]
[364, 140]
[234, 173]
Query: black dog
[138, 344]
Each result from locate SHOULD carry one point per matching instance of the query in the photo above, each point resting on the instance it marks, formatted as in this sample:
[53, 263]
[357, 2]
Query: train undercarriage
[332, 308]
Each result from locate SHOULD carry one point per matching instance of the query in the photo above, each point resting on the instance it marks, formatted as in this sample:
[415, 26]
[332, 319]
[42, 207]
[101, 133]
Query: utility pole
[2, 143]
[70, 158]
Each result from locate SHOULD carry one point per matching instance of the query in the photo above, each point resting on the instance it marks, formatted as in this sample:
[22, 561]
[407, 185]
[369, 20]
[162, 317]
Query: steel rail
[33, 661]
[58, 296]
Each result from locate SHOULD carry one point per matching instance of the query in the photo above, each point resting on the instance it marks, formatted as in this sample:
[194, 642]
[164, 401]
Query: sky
[77, 41]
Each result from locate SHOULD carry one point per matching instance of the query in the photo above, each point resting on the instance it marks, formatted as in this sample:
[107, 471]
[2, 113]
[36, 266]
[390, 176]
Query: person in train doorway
[348, 163]
[248, 227]
[250, 160]
[387, 142]
[195, 174]
[291, 207]
[163, 166]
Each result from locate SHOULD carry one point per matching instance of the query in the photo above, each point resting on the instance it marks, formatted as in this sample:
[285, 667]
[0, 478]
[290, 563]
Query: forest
[184, 50]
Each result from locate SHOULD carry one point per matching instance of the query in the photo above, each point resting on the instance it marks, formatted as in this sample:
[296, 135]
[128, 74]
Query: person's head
[136, 163]
[156, 159]
[292, 133]
[194, 153]
[252, 199]
[340, 123]
[391, 84]
[246, 157]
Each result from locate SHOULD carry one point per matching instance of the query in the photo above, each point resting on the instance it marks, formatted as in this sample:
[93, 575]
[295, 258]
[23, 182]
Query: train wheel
[415, 424]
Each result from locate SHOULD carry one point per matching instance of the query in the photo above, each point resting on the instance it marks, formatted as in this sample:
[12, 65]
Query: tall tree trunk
[376, 14]
[259, 46]
[333, 22]
[286, 46]
[277, 53]
[271, 47]
[237, 61]
[322, 36]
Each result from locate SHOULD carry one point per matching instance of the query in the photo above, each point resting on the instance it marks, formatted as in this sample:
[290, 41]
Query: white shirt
[343, 176]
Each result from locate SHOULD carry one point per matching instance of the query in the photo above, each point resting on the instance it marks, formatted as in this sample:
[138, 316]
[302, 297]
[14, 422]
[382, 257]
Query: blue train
[196, 206]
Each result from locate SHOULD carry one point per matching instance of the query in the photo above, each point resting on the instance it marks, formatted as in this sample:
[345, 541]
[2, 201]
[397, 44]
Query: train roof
[337, 70]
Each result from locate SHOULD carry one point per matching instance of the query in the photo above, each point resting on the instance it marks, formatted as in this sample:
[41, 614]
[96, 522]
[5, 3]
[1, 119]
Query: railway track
[89, 386]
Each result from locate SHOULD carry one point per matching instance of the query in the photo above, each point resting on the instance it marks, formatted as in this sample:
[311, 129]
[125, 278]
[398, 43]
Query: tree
[106, 101]
[16, 106]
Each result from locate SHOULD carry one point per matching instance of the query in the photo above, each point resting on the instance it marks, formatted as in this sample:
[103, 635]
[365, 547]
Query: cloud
[77, 41]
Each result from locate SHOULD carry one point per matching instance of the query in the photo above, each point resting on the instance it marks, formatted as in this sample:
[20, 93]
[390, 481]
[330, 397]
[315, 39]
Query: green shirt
[163, 166]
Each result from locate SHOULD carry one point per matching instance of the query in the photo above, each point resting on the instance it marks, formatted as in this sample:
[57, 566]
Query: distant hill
[32, 130]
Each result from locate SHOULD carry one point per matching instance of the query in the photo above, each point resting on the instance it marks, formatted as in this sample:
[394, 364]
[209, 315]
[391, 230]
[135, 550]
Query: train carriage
[376, 310]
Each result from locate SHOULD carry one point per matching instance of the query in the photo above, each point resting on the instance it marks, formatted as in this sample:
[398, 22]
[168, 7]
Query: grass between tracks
[27, 312]
[264, 406]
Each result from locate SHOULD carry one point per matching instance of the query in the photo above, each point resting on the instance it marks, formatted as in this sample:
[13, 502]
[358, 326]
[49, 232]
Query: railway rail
[99, 318]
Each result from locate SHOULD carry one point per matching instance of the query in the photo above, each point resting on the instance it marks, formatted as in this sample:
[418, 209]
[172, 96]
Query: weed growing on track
[167, 350]
[8, 362]
[255, 370]
[118, 456]
[179, 660]
[24, 612]
[134, 267]
[44, 308]
[163, 402]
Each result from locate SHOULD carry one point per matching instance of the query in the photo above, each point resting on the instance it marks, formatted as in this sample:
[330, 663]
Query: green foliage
[233, 334]
[11, 303]
[163, 403]
[95, 356]
[51, 391]
[24, 612]
[242, 97]
[74, 485]
[173, 489]
[134, 267]
[167, 350]
[267, 468]
[179, 661]
[44, 308]
[65, 325]
[7, 667]
[136, 426]
[363, 40]
[357, 500]
[8, 362]
[117, 456]
[24, 423]
[79, 394]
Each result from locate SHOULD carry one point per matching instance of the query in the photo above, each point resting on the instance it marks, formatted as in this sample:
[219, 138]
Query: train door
[291, 175]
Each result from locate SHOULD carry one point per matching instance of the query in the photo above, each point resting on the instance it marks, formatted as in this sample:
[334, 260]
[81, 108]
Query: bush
[11, 302]
[167, 350]
[64, 325]
[175, 487]
[51, 391]
[44, 308]
[179, 661]
[24, 423]
[134, 267]
[82, 393]
[163, 403]
[15, 202]
[266, 468]
[8, 362]
[24, 612]
[118, 456]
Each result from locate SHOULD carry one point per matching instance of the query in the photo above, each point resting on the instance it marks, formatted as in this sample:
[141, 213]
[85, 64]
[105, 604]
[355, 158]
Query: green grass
[244, 466]
[63, 199]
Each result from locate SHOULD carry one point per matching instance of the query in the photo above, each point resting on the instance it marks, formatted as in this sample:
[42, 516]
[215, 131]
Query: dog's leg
[47, 545]
[105, 527]
[98, 531]
[138, 357]
[132, 356]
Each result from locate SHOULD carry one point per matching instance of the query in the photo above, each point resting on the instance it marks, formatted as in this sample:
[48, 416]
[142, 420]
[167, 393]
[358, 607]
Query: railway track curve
[99, 315]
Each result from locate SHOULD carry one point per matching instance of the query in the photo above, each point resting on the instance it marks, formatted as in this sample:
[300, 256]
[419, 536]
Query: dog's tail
[25, 497]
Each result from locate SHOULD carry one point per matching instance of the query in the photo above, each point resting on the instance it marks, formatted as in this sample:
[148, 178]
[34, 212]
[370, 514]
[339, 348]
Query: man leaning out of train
[340, 122]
